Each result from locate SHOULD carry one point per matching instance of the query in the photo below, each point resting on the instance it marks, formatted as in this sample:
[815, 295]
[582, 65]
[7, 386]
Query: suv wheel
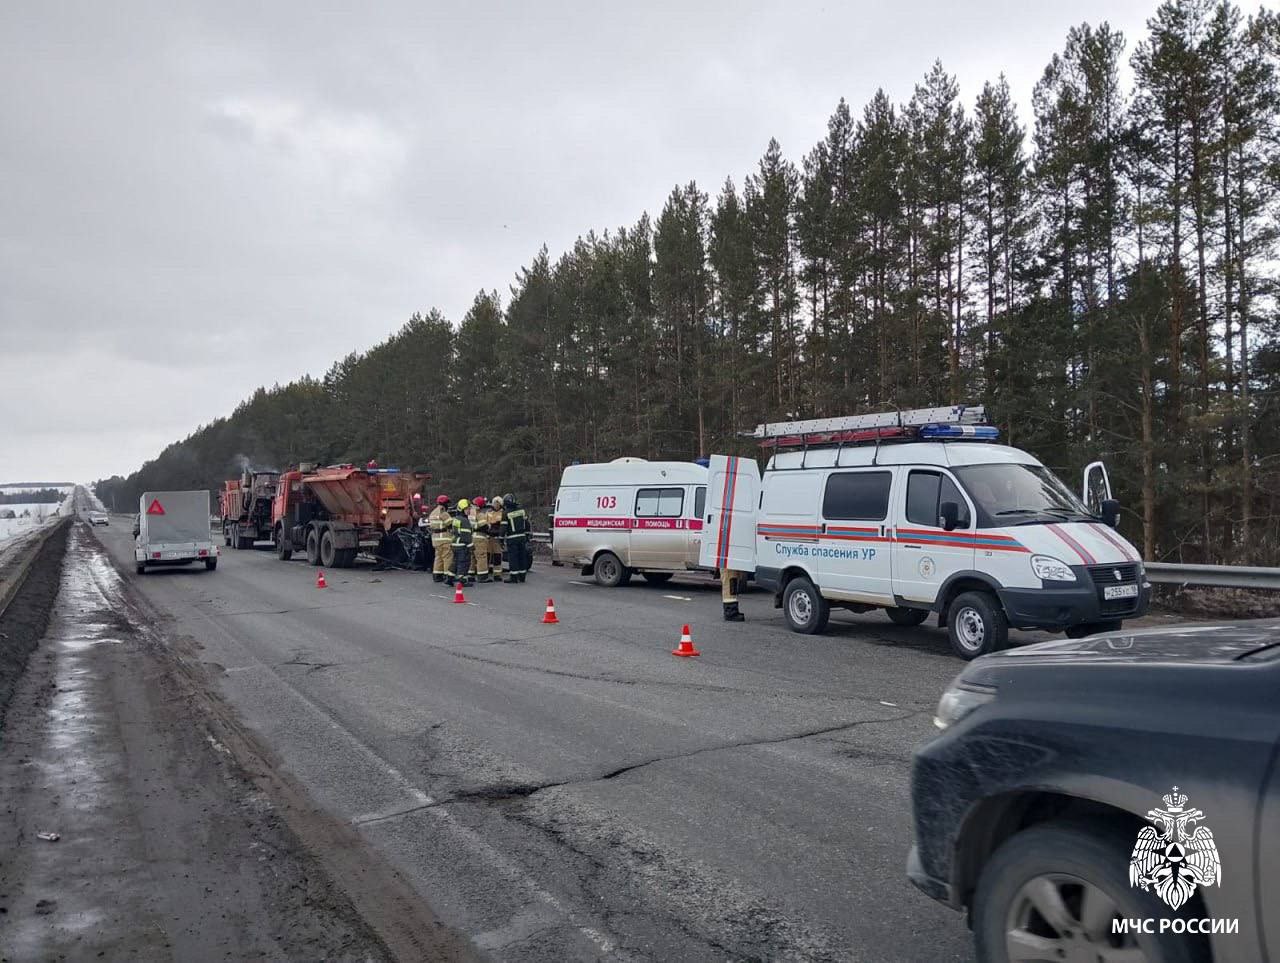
[976, 624]
[804, 608]
[1052, 891]
[609, 570]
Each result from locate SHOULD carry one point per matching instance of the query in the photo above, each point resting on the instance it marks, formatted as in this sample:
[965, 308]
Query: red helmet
[478, 501]
[372, 463]
[442, 499]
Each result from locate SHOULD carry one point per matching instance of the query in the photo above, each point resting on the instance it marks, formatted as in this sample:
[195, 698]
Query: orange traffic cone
[458, 597]
[320, 582]
[686, 645]
[549, 617]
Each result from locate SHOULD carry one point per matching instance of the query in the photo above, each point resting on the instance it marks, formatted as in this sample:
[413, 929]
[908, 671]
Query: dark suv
[1115, 798]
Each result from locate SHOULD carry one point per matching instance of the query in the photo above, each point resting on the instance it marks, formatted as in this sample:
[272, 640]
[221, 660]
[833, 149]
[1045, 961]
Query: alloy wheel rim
[1055, 916]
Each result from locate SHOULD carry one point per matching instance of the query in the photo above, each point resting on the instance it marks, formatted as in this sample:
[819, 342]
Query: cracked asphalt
[572, 791]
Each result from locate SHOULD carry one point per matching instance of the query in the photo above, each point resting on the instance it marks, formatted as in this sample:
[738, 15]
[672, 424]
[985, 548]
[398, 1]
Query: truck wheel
[657, 578]
[976, 625]
[1054, 890]
[210, 563]
[284, 545]
[804, 608]
[904, 616]
[244, 542]
[346, 557]
[313, 547]
[226, 534]
[328, 552]
[609, 570]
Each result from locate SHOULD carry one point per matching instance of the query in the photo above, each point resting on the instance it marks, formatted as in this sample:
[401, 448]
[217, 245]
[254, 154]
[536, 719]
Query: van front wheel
[976, 625]
[804, 608]
[609, 570]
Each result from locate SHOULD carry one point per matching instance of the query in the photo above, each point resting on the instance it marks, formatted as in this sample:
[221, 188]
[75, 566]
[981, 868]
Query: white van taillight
[155, 554]
[203, 551]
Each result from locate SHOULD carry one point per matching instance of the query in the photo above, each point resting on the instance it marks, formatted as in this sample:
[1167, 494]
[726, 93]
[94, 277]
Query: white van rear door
[733, 497]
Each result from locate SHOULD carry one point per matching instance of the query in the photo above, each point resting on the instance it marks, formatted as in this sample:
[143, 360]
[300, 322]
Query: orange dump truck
[332, 514]
[245, 504]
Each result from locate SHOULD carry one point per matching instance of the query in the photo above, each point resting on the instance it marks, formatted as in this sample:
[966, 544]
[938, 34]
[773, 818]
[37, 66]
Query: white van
[921, 513]
[630, 515]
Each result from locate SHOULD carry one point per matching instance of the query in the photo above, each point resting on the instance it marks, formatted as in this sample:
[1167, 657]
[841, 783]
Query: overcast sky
[199, 199]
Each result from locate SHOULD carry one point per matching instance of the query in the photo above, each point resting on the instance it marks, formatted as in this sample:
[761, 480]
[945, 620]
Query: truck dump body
[245, 505]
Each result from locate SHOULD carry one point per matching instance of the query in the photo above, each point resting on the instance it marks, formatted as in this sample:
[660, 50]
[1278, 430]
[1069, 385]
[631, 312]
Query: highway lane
[574, 791]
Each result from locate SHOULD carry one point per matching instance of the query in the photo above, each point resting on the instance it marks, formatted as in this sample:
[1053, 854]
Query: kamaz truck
[333, 514]
[245, 504]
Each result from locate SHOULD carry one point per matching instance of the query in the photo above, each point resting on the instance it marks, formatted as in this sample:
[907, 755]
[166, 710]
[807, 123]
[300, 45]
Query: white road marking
[679, 598]
[893, 705]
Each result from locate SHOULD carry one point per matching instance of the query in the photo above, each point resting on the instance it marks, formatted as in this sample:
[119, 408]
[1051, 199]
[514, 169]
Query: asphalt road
[573, 791]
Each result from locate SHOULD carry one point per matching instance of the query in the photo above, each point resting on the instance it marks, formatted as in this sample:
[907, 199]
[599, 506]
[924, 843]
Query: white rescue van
[630, 515]
[922, 513]
[173, 529]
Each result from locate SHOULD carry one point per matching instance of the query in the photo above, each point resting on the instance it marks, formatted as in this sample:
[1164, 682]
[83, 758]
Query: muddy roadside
[175, 840]
[26, 617]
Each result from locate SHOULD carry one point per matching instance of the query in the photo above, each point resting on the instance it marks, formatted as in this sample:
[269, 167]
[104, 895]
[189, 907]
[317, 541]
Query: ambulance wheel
[804, 608]
[328, 551]
[313, 547]
[657, 578]
[609, 570]
[284, 547]
[976, 625]
[905, 616]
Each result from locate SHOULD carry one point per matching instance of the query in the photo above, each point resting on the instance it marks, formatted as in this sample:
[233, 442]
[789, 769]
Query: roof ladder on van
[953, 421]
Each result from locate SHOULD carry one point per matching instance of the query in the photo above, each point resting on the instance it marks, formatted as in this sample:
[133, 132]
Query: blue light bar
[972, 432]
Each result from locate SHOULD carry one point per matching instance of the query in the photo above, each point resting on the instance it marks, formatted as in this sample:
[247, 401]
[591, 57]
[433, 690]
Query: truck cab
[927, 519]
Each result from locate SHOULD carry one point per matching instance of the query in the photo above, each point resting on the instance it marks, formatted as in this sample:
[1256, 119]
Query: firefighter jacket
[439, 522]
[461, 531]
[517, 524]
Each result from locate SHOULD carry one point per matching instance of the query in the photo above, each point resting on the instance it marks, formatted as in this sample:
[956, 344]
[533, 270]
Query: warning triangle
[155, 508]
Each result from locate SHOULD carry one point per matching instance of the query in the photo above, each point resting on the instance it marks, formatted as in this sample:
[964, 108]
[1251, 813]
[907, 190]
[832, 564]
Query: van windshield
[1009, 494]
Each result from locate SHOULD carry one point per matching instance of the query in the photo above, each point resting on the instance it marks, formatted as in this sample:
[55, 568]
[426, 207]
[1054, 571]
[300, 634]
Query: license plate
[1120, 592]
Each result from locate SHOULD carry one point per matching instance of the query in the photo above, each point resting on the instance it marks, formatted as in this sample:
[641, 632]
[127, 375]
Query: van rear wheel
[804, 608]
[976, 625]
[609, 570]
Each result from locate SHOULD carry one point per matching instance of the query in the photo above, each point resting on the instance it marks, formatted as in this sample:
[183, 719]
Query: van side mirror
[1110, 512]
[948, 516]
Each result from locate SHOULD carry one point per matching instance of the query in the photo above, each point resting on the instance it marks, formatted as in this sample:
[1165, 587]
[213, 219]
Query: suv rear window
[860, 495]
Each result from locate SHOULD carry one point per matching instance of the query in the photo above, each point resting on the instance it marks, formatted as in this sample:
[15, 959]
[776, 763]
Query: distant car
[1110, 798]
[99, 518]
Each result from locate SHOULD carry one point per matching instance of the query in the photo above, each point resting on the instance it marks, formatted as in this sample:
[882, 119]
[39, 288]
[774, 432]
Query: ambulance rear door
[733, 499]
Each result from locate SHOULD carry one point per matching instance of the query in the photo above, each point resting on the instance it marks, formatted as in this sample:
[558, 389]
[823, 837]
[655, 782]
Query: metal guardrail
[1221, 576]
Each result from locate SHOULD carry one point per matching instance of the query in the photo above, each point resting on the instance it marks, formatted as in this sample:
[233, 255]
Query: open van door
[733, 497]
[1096, 486]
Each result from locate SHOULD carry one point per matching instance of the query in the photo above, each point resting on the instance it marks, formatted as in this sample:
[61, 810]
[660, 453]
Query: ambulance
[924, 514]
[630, 516]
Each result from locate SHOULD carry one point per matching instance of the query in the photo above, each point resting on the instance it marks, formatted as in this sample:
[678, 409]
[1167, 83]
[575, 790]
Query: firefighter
[497, 557]
[480, 540]
[518, 552]
[462, 539]
[730, 581]
[441, 527]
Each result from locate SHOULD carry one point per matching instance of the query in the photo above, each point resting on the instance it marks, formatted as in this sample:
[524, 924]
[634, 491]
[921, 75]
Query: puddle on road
[74, 791]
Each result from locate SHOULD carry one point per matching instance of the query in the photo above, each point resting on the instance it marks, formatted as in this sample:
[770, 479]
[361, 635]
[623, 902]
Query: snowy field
[40, 514]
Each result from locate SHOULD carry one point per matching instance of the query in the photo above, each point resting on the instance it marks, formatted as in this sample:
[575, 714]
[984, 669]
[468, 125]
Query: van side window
[660, 502]
[699, 501]
[926, 490]
[859, 495]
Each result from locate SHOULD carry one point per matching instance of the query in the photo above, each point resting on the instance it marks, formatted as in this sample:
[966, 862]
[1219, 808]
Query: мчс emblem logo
[1175, 854]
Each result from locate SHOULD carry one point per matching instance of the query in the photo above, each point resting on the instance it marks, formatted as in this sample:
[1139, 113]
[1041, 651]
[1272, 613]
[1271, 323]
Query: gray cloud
[199, 199]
